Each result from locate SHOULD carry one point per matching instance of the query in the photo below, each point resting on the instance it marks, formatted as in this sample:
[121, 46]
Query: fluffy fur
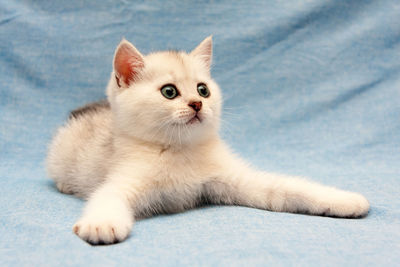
[141, 153]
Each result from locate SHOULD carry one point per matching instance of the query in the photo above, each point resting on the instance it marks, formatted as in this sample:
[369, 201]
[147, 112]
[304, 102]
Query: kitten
[154, 147]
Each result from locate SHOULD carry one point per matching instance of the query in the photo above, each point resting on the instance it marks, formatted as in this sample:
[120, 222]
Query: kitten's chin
[195, 130]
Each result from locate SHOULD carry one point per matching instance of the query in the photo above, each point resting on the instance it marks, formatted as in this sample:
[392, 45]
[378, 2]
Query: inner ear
[128, 62]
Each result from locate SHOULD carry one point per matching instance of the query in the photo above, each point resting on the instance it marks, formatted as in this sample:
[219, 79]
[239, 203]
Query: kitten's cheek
[205, 115]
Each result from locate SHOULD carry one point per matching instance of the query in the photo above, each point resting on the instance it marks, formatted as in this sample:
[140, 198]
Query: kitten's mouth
[195, 119]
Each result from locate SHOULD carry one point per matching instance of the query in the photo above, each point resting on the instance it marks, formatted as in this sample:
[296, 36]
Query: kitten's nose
[195, 105]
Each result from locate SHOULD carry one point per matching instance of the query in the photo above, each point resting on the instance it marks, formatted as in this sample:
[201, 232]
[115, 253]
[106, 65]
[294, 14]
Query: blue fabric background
[311, 88]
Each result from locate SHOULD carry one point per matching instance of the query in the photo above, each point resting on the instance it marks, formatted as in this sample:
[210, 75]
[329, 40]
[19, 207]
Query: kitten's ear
[127, 63]
[204, 51]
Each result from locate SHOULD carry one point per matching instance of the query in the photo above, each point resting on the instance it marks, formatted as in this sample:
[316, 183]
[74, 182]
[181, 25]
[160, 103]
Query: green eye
[203, 90]
[169, 91]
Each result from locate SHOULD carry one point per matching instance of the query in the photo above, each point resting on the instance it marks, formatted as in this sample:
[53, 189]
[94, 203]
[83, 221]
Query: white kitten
[154, 147]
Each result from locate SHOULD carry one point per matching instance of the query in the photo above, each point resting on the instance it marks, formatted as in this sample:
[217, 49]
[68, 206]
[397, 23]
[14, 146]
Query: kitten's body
[81, 151]
[143, 153]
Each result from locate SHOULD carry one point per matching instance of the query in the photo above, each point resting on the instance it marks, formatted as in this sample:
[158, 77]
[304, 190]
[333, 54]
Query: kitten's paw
[103, 231]
[64, 188]
[348, 205]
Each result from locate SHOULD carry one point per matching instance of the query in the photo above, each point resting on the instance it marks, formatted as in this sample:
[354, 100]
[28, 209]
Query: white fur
[140, 157]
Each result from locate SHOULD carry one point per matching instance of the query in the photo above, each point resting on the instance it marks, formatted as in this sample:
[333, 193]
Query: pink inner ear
[127, 64]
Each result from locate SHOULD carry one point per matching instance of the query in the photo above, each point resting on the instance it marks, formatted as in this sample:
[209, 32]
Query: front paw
[103, 231]
[348, 205]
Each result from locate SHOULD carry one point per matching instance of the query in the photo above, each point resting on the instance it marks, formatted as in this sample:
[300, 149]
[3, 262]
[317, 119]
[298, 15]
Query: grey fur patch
[89, 108]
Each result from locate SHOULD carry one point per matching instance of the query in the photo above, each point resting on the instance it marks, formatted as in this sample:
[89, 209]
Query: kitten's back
[94, 107]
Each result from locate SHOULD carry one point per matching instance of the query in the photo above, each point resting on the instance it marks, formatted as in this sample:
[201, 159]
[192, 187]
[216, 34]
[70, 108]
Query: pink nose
[195, 105]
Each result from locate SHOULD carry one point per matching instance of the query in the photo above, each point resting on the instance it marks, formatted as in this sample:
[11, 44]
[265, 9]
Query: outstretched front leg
[108, 216]
[238, 184]
[110, 211]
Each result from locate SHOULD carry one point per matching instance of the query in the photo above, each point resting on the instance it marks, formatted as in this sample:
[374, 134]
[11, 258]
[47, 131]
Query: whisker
[179, 135]
[169, 133]
[229, 127]
[163, 121]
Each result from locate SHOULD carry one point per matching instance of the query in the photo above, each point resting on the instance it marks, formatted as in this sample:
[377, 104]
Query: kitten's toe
[360, 205]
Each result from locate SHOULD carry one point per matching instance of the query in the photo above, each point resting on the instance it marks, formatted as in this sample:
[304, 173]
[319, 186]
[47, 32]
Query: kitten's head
[165, 97]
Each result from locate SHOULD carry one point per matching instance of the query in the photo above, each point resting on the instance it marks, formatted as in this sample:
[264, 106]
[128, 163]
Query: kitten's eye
[203, 90]
[169, 91]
